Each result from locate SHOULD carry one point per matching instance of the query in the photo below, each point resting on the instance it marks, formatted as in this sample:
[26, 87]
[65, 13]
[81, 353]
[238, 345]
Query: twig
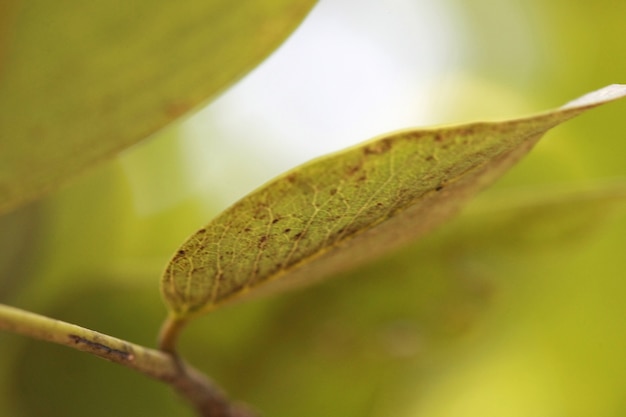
[203, 394]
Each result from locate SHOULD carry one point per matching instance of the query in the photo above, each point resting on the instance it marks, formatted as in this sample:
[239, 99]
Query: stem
[203, 394]
[169, 333]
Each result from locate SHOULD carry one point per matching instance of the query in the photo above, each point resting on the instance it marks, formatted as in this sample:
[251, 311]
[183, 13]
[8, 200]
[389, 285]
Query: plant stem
[203, 394]
[169, 333]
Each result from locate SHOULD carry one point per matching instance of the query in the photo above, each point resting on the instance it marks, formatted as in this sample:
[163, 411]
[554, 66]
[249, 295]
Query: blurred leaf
[83, 231]
[348, 208]
[537, 220]
[83, 80]
[557, 320]
[20, 235]
[8, 9]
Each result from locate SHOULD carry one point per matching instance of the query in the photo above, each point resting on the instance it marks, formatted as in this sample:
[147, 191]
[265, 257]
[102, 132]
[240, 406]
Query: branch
[203, 394]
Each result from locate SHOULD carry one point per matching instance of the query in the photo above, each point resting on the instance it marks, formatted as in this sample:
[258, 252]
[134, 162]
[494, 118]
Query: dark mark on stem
[99, 347]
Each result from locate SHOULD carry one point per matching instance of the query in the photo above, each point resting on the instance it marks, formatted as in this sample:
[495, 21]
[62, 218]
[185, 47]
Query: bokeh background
[508, 311]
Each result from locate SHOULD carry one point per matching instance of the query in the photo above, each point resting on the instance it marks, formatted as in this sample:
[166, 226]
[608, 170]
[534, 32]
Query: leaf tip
[603, 95]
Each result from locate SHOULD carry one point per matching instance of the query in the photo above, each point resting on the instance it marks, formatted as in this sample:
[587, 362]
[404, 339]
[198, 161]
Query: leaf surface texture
[345, 209]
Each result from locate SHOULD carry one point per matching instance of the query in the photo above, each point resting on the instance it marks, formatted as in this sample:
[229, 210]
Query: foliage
[89, 79]
[349, 208]
[504, 291]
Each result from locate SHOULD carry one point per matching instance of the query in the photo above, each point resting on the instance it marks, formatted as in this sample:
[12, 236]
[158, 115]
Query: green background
[525, 318]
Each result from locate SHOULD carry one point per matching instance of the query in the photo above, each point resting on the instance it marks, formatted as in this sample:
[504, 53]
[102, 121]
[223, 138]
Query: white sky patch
[352, 71]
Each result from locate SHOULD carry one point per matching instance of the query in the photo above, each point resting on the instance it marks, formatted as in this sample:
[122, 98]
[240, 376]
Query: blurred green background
[504, 312]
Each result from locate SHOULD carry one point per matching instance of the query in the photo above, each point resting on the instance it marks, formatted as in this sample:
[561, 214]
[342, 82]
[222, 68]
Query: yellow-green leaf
[345, 209]
[8, 9]
[541, 220]
[81, 80]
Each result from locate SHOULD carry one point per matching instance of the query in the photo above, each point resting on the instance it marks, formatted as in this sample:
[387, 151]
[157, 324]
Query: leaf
[539, 220]
[20, 240]
[83, 80]
[440, 293]
[8, 9]
[348, 208]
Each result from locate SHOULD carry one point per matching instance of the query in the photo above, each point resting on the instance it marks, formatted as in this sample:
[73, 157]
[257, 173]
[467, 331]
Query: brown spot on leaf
[378, 147]
[287, 230]
[468, 131]
[175, 109]
[351, 170]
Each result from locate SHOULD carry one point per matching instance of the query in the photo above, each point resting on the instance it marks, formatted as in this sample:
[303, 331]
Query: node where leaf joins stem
[198, 390]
